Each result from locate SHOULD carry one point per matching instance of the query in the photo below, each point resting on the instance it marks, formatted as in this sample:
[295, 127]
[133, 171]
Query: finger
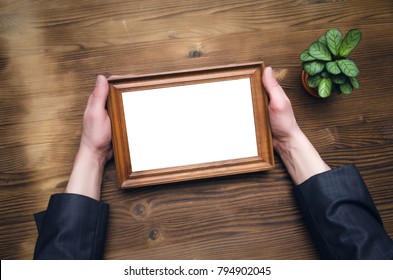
[271, 85]
[97, 99]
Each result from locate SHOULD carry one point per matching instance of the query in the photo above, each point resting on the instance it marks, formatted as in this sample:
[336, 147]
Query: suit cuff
[342, 217]
[72, 227]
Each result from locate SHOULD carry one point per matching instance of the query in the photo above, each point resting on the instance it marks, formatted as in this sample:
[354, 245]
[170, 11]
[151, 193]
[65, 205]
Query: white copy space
[190, 124]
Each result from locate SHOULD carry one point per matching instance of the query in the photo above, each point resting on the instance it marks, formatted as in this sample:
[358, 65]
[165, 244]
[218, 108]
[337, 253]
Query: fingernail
[100, 80]
[269, 69]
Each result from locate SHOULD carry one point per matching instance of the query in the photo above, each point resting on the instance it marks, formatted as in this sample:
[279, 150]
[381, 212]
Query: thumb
[271, 85]
[98, 98]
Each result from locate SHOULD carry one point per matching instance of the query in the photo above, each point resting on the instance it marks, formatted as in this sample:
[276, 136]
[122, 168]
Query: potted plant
[326, 67]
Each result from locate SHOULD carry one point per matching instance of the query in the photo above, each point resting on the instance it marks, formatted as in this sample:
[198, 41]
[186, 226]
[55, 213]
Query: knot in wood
[194, 54]
[154, 234]
[140, 210]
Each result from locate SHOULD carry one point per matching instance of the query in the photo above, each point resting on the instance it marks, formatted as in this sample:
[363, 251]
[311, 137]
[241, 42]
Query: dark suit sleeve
[72, 227]
[342, 217]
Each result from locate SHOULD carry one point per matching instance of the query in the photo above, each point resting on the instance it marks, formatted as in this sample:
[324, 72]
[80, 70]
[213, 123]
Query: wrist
[86, 176]
[87, 158]
[300, 157]
[88, 153]
[284, 144]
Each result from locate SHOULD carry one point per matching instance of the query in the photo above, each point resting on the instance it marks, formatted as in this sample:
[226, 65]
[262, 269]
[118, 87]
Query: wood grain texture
[51, 51]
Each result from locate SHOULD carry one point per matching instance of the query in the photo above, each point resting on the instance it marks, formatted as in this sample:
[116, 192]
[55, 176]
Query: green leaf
[325, 87]
[333, 68]
[333, 40]
[339, 79]
[354, 82]
[348, 67]
[313, 67]
[350, 42]
[313, 81]
[322, 39]
[305, 56]
[320, 51]
[346, 88]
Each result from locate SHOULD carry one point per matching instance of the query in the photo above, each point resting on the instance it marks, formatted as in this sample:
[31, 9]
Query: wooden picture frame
[180, 92]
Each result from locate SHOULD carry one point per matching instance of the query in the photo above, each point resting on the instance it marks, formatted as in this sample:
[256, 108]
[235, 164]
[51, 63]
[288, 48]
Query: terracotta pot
[313, 92]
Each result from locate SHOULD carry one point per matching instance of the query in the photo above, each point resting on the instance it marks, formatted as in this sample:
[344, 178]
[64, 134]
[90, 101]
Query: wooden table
[51, 52]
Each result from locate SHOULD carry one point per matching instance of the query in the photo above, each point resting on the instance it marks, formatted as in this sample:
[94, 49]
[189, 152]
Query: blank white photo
[190, 124]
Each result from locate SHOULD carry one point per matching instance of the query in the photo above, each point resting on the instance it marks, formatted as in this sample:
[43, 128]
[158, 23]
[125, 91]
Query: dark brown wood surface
[51, 51]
